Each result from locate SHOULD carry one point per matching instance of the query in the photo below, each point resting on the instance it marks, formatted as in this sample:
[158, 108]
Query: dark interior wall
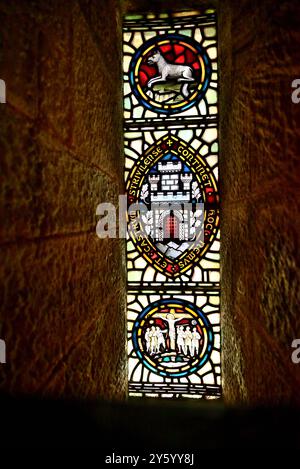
[62, 289]
[162, 6]
[260, 142]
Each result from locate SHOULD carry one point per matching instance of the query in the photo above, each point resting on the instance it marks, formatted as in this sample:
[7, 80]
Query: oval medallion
[173, 213]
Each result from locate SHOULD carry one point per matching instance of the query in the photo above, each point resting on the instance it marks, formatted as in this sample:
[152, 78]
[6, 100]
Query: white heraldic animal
[168, 71]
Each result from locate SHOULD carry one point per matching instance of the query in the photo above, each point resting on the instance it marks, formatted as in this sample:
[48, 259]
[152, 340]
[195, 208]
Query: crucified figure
[170, 319]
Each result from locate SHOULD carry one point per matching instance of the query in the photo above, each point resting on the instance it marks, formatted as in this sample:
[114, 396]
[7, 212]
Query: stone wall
[62, 289]
[260, 142]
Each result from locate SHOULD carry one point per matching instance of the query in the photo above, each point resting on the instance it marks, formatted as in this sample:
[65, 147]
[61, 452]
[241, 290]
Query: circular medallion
[172, 338]
[170, 73]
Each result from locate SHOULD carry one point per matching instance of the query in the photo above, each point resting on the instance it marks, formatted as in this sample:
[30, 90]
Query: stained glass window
[171, 174]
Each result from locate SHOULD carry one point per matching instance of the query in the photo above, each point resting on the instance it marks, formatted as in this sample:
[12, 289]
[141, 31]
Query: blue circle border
[154, 40]
[181, 303]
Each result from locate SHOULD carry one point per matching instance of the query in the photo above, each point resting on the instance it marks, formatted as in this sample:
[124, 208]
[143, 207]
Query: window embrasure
[171, 173]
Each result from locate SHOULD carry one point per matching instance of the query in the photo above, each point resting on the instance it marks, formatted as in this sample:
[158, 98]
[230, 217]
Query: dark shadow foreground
[144, 426]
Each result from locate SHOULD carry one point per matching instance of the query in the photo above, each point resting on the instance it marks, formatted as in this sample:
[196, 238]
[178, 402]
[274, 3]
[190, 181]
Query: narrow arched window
[171, 173]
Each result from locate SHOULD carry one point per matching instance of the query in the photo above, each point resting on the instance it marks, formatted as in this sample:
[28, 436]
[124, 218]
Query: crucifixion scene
[172, 337]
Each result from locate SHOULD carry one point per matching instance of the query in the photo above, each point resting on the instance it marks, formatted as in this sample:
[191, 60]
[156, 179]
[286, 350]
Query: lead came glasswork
[171, 168]
[169, 73]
